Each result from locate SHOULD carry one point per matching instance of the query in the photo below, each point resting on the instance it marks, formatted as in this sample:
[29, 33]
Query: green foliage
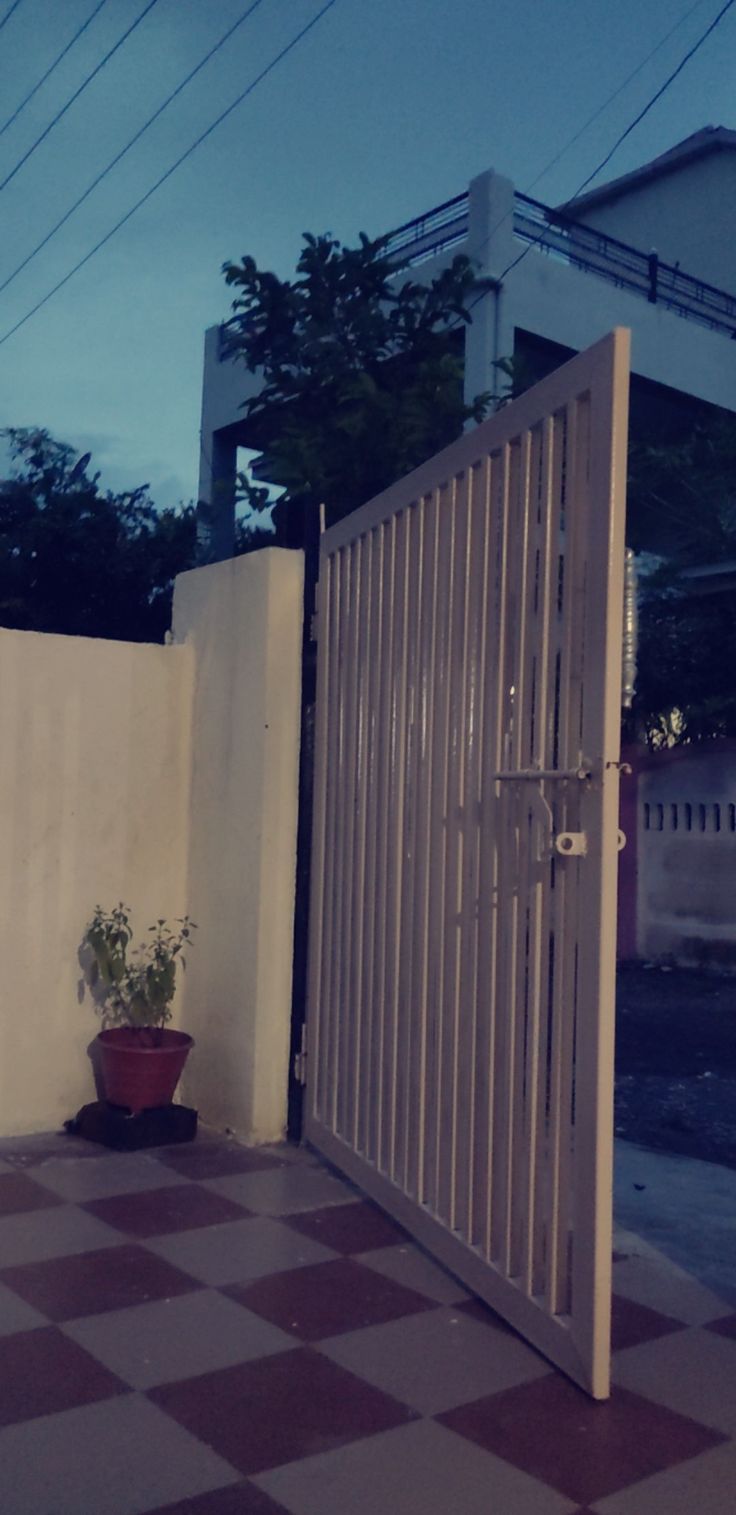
[517, 374]
[685, 690]
[77, 560]
[135, 992]
[681, 511]
[682, 503]
[362, 376]
[682, 491]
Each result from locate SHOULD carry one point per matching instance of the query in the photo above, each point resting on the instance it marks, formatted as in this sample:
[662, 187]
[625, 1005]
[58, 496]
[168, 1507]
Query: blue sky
[385, 109]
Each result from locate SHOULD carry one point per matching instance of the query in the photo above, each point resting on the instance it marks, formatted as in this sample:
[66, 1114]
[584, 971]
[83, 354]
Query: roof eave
[710, 139]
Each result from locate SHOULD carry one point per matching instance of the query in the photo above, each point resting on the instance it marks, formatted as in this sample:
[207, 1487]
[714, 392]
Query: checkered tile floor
[210, 1330]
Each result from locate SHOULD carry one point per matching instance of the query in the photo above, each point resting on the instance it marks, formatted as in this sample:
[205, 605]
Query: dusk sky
[385, 108]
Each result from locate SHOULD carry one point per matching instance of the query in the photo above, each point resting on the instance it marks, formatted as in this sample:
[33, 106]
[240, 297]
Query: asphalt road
[676, 1062]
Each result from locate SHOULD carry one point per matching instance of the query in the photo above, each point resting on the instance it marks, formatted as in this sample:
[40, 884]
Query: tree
[682, 506]
[362, 373]
[685, 690]
[77, 560]
[681, 514]
[682, 488]
[362, 381]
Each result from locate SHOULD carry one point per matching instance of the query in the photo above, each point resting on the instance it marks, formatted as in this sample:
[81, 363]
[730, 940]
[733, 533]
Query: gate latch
[571, 843]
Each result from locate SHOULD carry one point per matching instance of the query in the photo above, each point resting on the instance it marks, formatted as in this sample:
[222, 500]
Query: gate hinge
[300, 1058]
[314, 626]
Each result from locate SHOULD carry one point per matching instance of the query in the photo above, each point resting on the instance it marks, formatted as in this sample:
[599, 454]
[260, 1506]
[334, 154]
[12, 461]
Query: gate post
[311, 535]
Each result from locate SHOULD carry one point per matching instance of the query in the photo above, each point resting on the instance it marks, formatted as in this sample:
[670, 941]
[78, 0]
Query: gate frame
[583, 1352]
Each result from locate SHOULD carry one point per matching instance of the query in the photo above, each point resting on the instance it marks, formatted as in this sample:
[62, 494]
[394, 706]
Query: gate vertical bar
[603, 634]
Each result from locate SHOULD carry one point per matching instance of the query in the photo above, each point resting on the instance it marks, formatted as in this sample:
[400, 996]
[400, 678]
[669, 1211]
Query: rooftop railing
[427, 236]
[626, 267]
[580, 246]
[555, 235]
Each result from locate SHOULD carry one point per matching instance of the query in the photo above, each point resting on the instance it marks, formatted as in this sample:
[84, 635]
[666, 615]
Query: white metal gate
[462, 939]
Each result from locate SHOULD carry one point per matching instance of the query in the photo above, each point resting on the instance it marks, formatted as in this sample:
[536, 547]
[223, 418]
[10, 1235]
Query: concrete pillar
[216, 500]
[218, 455]
[490, 248]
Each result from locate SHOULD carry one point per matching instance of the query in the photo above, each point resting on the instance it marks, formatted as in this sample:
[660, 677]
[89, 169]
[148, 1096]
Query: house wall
[575, 308]
[94, 794]
[242, 620]
[687, 215]
[686, 845]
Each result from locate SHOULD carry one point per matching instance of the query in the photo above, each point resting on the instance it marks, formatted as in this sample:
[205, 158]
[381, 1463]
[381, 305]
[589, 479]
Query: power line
[126, 149]
[9, 13]
[642, 113]
[658, 96]
[622, 86]
[77, 93]
[540, 240]
[167, 175]
[24, 102]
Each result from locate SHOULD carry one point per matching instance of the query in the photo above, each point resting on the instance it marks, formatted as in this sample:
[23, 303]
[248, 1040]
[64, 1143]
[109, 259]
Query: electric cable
[658, 96]
[269, 68]
[642, 113]
[9, 13]
[538, 241]
[24, 102]
[622, 86]
[553, 161]
[126, 149]
[77, 93]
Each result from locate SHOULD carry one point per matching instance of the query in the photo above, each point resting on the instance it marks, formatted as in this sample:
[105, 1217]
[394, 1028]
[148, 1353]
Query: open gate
[463, 913]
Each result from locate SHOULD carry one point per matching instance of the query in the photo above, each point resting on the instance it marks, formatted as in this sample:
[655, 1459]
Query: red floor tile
[240, 1499]
[42, 1372]
[632, 1323]
[87, 1283]
[18, 1192]
[349, 1228]
[158, 1212]
[215, 1159]
[551, 1430]
[724, 1327]
[328, 1298]
[261, 1414]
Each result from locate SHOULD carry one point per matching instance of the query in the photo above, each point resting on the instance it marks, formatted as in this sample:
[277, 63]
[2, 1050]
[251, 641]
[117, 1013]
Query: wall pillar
[243, 620]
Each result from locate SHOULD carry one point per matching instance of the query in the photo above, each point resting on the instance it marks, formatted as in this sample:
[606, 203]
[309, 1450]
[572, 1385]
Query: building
[653, 250]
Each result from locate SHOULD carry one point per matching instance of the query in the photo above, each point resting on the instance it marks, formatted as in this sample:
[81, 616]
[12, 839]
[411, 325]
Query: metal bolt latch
[571, 843]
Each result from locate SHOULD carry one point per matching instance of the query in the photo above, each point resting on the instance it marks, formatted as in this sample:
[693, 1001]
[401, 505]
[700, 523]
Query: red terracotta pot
[141, 1069]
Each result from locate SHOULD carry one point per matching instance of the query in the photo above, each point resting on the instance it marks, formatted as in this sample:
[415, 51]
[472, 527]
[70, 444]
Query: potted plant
[141, 1059]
